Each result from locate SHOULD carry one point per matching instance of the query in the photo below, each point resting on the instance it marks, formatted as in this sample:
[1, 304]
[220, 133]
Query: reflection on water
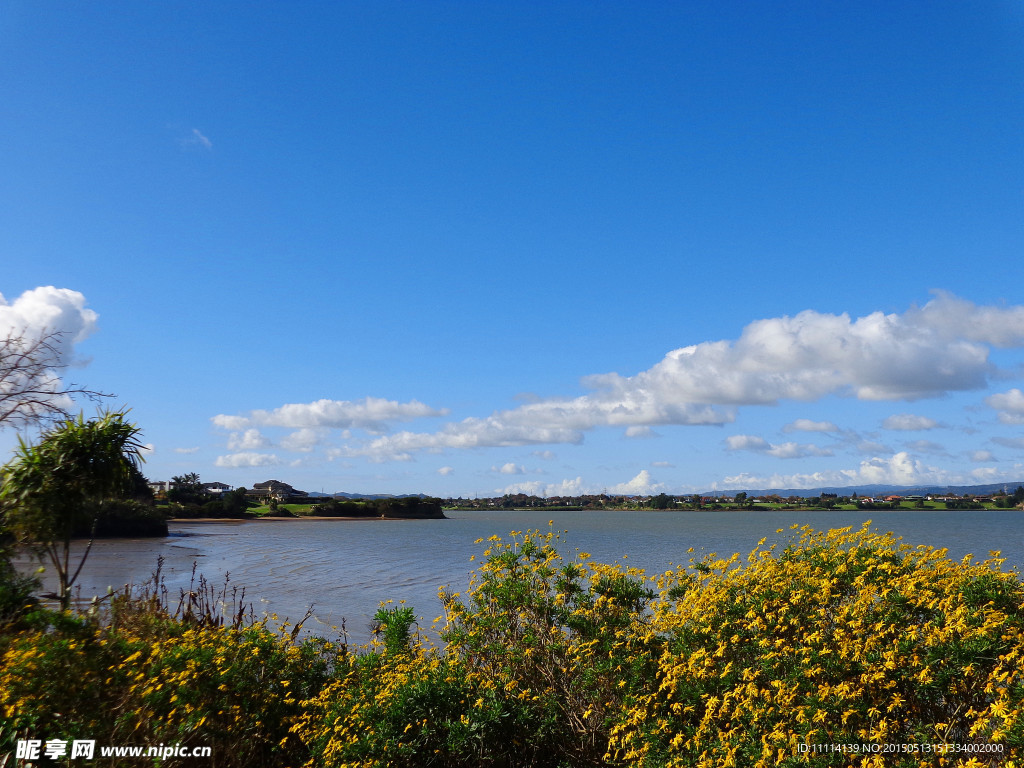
[345, 568]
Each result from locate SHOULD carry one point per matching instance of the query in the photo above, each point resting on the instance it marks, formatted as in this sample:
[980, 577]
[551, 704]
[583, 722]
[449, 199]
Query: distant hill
[343, 495]
[876, 490]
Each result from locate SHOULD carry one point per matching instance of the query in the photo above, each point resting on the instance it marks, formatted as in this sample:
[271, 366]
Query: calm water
[346, 568]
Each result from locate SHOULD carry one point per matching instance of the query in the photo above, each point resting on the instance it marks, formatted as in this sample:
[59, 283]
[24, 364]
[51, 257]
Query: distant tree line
[188, 498]
[408, 506]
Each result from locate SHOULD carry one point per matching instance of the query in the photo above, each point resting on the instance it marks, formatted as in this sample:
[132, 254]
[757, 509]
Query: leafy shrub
[842, 637]
[15, 592]
[150, 675]
[846, 637]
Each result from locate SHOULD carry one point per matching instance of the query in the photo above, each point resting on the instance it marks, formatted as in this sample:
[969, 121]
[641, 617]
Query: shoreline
[186, 520]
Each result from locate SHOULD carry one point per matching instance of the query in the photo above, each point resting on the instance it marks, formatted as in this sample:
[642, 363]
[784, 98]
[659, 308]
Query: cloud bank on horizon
[933, 351]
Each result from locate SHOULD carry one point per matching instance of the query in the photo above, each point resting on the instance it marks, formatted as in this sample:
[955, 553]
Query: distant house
[216, 488]
[274, 489]
[159, 486]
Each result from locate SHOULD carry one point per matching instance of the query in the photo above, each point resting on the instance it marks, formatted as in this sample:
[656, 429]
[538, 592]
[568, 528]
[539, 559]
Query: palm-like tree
[53, 489]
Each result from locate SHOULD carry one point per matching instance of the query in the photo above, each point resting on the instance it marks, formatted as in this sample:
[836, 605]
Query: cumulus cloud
[640, 485]
[47, 310]
[980, 456]
[445, 471]
[806, 425]
[985, 474]
[546, 490]
[44, 324]
[640, 432]
[249, 440]
[1010, 406]
[509, 469]
[924, 352]
[302, 440]
[787, 450]
[247, 459]
[746, 443]
[468, 433]
[908, 422]
[898, 469]
[546, 455]
[805, 357]
[370, 413]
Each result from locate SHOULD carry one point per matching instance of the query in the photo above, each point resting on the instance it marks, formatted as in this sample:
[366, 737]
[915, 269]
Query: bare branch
[31, 390]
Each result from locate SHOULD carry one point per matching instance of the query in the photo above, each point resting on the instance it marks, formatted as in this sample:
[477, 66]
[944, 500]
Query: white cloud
[546, 455]
[1011, 474]
[46, 310]
[746, 443]
[640, 485]
[197, 140]
[249, 440]
[302, 440]
[57, 318]
[640, 432]
[445, 471]
[247, 459]
[509, 469]
[187, 450]
[925, 352]
[908, 422]
[958, 318]
[797, 450]
[1010, 406]
[985, 474]
[980, 456]
[806, 425]
[898, 469]
[546, 490]
[469, 433]
[148, 449]
[371, 413]
[787, 450]
[805, 357]
[662, 464]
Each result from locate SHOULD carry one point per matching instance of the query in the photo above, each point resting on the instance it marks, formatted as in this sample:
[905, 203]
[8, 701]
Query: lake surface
[345, 568]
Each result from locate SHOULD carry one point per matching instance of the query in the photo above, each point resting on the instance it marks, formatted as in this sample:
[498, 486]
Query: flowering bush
[146, 677]
[845, 637]
[838, 638]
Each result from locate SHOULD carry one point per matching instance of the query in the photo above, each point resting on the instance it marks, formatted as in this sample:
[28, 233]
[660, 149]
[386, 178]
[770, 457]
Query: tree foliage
[57, 487]
[186, 489]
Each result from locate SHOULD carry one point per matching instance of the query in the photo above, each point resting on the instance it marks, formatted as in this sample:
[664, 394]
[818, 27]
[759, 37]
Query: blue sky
[464, 248]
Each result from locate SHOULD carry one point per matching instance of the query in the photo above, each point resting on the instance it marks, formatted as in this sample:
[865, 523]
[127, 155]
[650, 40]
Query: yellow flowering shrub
[539, 657]
[844, 637]
[236, 690]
